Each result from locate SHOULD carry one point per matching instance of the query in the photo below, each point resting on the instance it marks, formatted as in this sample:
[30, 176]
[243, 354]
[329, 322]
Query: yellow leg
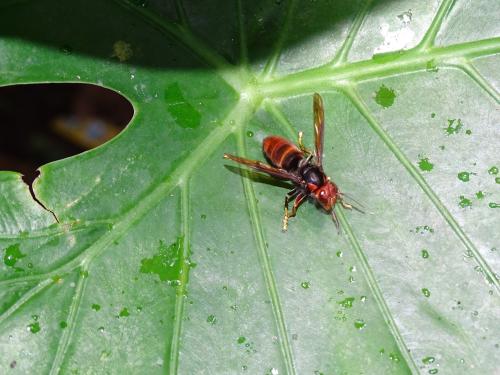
[346, 205]
[285, 216]
[301, 145]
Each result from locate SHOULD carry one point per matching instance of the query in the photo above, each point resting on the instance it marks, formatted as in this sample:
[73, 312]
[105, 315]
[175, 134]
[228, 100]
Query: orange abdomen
[282, 153]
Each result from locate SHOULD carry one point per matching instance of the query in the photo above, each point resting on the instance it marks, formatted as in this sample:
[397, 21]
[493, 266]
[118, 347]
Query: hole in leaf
[40, 123]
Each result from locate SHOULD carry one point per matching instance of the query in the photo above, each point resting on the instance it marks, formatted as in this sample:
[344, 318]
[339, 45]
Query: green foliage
[411, 100]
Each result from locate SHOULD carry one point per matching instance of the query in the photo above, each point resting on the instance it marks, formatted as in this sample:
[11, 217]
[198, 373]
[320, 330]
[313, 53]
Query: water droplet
[139, 309]
[352, 269]
[433, 115]
[34, 327]
[249, 134]
[359, 324]
[464, 176]
[468, 132]
[425, 254]
[211, 319]
[241, 340]
[426, 292]
[340, 254]
[96, 307]
[351, 279]
[494, 205]
[35, 317]
[425, 165]
[428, 360]
[497, 180]
[394, 357]
[63, 324]
[385, 96]
[347, 302]
[101, 329]
[244, 367]
[305, 284]
[493, 170]
[274, 371]
[30, 265]
[203, 216]
[165, 263]
[479, 195]
[363, 299]
[124, 313]
[12, 255]
[464, 202]
[433, 371]
[454, 126]
[232, 122]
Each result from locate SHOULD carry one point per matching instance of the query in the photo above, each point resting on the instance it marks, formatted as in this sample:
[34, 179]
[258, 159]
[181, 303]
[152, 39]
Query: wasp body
[302, 167]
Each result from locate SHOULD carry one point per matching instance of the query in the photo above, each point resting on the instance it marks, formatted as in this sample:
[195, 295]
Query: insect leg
[350, 206]
[298, 201]
[303, 148]
[289, 196]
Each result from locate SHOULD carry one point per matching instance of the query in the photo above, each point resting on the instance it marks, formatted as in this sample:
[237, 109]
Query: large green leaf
[166, 260]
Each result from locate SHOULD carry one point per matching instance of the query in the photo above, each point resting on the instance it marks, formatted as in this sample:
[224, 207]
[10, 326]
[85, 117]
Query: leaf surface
[168, 259]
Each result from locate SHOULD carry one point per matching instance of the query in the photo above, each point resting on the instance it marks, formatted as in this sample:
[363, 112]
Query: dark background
[40, 123]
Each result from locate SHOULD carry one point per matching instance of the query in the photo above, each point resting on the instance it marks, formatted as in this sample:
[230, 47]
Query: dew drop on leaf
[493, 170]
[359, 324]
[347, 302]
[426, 292]
[464, 202]
[425, 165]
[425, 254]
[385, 96]
[12, 255]
[428, 360]
[464, 176]
[34, 327]
[124, 313]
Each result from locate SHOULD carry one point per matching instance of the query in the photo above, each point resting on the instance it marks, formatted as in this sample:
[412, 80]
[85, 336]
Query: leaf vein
[377, 293]
[265, 263]
[184, 275]
[67, 335]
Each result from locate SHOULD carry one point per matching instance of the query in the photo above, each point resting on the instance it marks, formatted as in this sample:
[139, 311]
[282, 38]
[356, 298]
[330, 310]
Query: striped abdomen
[281, 153]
